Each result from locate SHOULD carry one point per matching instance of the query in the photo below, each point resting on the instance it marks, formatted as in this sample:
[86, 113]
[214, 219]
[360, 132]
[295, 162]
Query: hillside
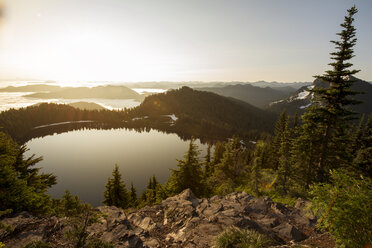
[201, 113]
[87, 105]
[301, 98]
[257, 96]
[179, 221]
[20, 123]
[106, 92]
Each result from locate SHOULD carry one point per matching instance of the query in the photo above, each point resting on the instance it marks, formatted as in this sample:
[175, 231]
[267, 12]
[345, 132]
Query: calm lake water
[83, 160]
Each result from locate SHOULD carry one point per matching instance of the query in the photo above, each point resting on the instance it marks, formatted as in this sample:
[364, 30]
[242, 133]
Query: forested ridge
[205, 115]
[199, 114]
[321, 156]
[20, 122]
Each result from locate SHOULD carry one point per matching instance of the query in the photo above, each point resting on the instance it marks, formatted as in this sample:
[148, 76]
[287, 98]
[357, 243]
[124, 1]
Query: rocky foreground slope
[179, 221]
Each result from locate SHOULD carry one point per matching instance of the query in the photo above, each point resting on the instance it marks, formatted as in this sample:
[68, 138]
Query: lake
[82, 160]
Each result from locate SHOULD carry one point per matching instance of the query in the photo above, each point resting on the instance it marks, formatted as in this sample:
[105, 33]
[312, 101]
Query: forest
[321, 156]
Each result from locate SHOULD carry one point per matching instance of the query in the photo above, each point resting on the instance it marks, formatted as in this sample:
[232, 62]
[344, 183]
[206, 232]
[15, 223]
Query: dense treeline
[18, 123]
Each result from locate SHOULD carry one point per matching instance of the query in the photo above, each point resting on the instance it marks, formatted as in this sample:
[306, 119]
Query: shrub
[344, 206]
[242, 238]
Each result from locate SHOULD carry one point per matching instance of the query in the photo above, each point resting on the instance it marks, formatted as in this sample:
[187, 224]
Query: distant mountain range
[50, 92]
[279, 86]
[300, 100]
[257, 96]
[197, 84]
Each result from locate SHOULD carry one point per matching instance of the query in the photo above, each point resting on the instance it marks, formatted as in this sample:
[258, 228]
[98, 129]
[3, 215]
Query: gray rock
[179, 221]
[288, 232]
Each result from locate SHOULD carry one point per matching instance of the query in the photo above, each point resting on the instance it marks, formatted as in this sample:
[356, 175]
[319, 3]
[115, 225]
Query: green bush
[344, 208]
[241, 238]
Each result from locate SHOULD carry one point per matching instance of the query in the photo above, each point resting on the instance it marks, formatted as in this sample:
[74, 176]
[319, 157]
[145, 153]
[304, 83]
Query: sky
[174, 40]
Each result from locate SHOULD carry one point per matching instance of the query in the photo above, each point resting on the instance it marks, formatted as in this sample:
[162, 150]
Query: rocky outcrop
[179, 221]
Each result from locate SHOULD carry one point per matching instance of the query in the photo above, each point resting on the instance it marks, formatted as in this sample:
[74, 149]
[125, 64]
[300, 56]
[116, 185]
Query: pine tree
[330, 105]
[207, 162]
[148, 197]
[219, 149]
[357, 136]
[284, 157]
[258, 161]
[133, 196]
[22, 186]
[188, 174]
[116, 193]
[232, 167]
[71, 205]
[305, 149]
[363, 160]
[275, 145]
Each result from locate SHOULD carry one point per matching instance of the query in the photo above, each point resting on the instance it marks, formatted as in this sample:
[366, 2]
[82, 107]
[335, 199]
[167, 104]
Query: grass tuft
[242, 238]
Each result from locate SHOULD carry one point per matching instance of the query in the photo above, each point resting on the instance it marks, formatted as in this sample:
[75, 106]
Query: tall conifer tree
[116, 193]
[275, 145]
[188, 174]
[284, 157]
[330, 112]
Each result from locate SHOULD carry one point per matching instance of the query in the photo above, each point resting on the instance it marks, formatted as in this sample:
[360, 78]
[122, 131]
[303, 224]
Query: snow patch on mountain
[304, 94]
[305, 106]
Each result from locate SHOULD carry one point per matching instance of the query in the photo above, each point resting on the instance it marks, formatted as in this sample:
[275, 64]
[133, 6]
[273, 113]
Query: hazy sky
[173, 40]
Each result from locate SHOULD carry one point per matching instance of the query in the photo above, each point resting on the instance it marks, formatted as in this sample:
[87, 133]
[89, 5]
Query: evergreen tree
[219, 149]
[22, 186]
[133, 196]
[324, 136]
[229, 173]
[116, 193]
[305, 150]
[71, 205]
[207, 162]
[148, 197]
[258, 161]
[331, 112]
[188, 174]
[296, 121]
[153, 182]
[357, 137]
[284, 157]
[363, 160]
[275, 145]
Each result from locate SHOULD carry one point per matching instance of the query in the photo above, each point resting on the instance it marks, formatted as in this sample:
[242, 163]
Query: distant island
[106, 92]
[44, 91]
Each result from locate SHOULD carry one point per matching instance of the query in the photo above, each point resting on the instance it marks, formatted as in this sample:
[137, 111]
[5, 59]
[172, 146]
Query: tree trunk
[323, 153]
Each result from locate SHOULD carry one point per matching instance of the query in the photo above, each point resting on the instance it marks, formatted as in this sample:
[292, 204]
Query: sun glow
[133, 41]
